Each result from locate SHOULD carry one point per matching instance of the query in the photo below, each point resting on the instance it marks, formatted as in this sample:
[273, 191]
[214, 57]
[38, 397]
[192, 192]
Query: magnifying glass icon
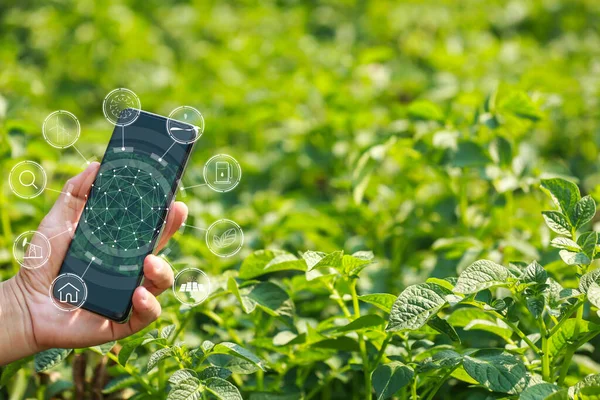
[32, 183]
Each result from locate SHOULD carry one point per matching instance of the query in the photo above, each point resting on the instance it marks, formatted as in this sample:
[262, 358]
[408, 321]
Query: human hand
[36, 324]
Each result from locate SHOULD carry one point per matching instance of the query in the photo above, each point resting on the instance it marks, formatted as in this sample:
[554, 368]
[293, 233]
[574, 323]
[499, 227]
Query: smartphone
[126, 210]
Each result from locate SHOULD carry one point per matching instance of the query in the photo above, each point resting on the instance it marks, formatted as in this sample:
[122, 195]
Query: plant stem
[567, 316]
[413, 389]
[361, 342]
[131, 372]
[571, 349]
[381, 352]
[545, 350]
[439, 384]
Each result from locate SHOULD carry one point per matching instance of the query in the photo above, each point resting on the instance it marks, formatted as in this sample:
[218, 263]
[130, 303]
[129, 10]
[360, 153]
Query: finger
[177, 216]
[158, 275]
[146, 310]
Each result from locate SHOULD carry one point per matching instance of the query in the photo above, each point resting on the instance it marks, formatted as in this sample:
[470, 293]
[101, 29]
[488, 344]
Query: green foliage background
[418, 130]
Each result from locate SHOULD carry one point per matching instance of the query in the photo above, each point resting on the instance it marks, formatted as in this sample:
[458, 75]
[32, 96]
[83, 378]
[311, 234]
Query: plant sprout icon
[227, 238]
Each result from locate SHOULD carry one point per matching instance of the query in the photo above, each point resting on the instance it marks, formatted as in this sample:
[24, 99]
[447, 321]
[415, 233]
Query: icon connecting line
[82, 156]
[88, 266]
[163, 156]
[194, 227]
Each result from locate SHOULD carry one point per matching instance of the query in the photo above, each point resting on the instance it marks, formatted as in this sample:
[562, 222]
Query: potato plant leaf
[571, 258]
[519, 104]
[222, 389]
[389, 378]
[119, 383]
[497, 370]
[564, 194]
[158, 356]
[50, 358]
[534, 273]
[565, 244]
[238, 351]
[416, 305]
[587, 279]
[442, 326]
[539, 391]
[591, 381]
[383, 301]
[557, 222]
[11, 369]
[187, 389]
[363, 322]
[583, 211]
[480, 275]
[262, 262]
[426, 110]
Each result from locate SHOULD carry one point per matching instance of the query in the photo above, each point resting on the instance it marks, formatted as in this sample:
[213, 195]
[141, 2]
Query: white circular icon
[31, 249]
[27, 179]
[68, 292]
[191, 286]
[222, 173]
[224, 238]
[121, 107]
[61, 129]
[185, 124]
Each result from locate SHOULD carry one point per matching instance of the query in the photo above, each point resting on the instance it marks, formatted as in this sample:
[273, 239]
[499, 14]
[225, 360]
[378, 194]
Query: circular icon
[185, 124]
[68, 292]
[121, 107]
[191, 286]
[222, 173]
[61, 129]
[224, 238]
[27, 179]
[31, 249]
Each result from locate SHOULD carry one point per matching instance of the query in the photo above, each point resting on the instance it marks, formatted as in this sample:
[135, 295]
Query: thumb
[69, 204]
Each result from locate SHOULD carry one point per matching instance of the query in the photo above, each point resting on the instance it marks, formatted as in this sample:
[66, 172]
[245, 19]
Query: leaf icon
[227, 238]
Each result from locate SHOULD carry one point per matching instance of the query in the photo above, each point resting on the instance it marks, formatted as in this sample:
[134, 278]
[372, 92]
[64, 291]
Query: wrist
[17, 339]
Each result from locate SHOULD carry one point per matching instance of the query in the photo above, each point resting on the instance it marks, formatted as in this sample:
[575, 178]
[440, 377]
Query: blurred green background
[416, 129]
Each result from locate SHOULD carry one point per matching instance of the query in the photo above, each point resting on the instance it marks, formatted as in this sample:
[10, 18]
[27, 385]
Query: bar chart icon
[192, 287]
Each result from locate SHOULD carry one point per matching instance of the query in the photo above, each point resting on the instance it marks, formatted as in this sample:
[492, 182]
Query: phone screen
[125, 211]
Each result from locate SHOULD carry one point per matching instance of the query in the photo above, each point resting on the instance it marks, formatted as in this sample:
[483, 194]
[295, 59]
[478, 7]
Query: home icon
[68, 294]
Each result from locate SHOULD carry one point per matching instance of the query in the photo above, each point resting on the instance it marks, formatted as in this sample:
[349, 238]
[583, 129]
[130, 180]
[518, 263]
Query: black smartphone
[126, 210]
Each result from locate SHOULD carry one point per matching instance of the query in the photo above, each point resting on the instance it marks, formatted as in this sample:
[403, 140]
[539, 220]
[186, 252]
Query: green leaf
[128, 349]
[591, 381]
[557, 222]
[316, 259]
[442, 326]
[11, 369]
[589, 393]
[262, 262]
[50, 358]
[534, 273]
[539, 391]
[583, 211]
[352, 265]
[271, 298]
[416, 305]
[497, 327]
[587, 279]
[519, 104]
[120, 383]
[501, 151]
[497, 370]
[363, 322]
[181, 375]
[389, 378]
[535, 305]
[238, 351]
[571, 258]
[383, 301]
[480, 275]
[565, 335]
[105, 348]
[222, 389]
[565, 244]
[588, 242]
[187, 389]
[565, 194]
[214, 372]
[559, 395]
[423, 109]
[593, 294]
[167, 331]
[158, 356]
